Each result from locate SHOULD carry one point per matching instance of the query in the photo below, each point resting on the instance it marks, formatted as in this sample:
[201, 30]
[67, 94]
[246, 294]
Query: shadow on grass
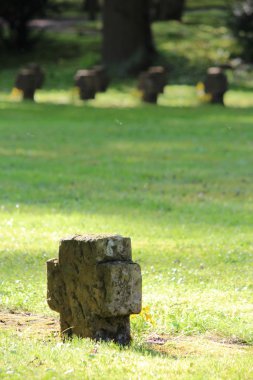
[54, 47]
[151, 350]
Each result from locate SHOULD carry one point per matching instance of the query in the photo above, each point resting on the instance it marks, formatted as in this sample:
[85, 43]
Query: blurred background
[183, 36]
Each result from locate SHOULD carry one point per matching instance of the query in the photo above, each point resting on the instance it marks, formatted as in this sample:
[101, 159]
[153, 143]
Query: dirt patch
[31, 324]
[182, 346]
[47, 328]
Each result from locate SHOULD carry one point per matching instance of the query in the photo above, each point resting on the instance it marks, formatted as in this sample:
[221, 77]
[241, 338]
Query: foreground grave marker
[95, 286]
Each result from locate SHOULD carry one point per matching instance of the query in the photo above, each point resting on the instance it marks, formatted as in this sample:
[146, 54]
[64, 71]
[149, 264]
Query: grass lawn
[176, 178]
[179, 182]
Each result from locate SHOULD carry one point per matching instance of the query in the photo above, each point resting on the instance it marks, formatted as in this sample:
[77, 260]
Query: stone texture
[95, 286]
[152, 83]
[122, 288]
[216, 84]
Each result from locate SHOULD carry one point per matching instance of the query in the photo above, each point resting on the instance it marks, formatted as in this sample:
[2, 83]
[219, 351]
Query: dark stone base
[86, 94]
[28, 94]
[150, 98]
[217, 99]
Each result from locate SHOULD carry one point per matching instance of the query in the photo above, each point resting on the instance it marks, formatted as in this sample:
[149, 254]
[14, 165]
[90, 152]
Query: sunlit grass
[86, 360]
[127, 96]
[178, 181]
[79, 169]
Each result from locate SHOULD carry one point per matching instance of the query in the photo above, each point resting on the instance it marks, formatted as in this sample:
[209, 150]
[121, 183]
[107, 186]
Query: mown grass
[179, 182]
[86, 360]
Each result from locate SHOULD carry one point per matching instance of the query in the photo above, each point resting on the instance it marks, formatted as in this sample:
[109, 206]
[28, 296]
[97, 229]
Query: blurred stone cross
[216, 84]
[152, 82]
[29, 79]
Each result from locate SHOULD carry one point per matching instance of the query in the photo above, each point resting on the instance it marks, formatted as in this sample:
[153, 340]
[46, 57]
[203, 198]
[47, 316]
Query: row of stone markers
[151, 83]
[89, 82]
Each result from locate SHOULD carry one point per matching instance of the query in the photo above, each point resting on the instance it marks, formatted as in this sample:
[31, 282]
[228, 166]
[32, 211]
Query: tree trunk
[127, 44]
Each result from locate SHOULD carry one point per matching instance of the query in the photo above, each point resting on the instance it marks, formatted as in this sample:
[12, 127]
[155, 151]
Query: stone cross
[38, 73]
[29, 79]
[26, 82]
[85, 80]
[152, 83]
[216, 84]
[95, 286]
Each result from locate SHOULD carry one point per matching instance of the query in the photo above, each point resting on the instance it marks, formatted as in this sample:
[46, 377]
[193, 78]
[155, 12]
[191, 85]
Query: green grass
[179, 182]
[86, 360]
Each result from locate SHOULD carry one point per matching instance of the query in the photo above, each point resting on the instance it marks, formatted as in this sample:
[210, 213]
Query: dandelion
[145, 315]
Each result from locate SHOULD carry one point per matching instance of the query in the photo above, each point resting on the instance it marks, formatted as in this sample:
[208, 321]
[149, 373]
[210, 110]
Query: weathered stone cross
[95, 286]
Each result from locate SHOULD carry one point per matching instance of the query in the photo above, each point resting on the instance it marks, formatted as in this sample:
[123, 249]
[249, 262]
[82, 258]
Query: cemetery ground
[178, 181]
[176, 178]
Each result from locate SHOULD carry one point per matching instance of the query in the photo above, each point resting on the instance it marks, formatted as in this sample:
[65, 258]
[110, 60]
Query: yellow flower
[145, 315]
[16, 94]
[202, 95]
[200, 87]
